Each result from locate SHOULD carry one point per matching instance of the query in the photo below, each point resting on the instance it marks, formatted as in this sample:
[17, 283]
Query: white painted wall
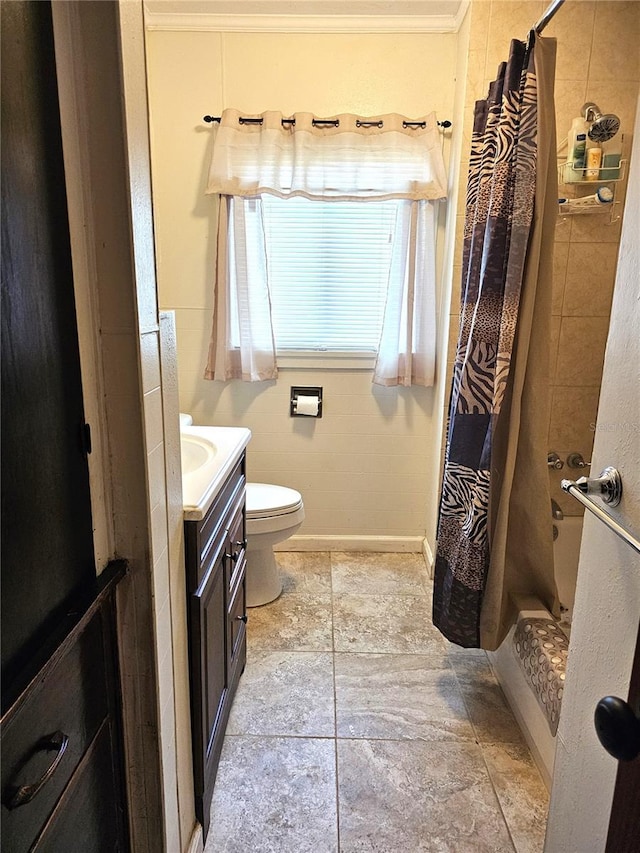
[607, 608]
[367, 468]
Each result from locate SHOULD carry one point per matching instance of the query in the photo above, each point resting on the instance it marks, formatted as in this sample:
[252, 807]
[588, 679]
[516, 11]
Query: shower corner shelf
[607, 210]
[603, 178]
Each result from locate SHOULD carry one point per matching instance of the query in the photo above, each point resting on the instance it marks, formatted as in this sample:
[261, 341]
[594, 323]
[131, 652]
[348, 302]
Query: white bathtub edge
[524, 705]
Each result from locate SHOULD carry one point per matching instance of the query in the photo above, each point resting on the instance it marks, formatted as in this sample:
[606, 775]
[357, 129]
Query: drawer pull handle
[242, 618]
[25, 793]
[242, 544]
[233, 556]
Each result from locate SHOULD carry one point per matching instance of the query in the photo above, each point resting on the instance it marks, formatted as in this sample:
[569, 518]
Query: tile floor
[358, 727]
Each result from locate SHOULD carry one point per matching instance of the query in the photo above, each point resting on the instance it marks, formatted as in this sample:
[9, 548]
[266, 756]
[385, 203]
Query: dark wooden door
[624, 823]
[47, 541]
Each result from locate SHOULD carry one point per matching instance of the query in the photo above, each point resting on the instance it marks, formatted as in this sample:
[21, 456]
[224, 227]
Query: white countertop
[218, 449]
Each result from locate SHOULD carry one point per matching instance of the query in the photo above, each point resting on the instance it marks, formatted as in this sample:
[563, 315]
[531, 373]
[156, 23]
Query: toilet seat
[266, 501]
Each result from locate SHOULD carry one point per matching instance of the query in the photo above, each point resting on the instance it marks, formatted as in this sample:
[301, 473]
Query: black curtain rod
[330, 122]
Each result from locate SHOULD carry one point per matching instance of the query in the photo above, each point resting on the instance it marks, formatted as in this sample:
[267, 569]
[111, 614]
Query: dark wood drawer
[71, 698]
[88, 817]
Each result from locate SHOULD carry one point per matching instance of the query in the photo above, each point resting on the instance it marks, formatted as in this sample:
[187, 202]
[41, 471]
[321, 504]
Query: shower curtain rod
[547, 16]
[330, 122]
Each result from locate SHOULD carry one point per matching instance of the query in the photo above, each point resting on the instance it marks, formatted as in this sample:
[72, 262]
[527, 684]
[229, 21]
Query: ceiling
[306, 15]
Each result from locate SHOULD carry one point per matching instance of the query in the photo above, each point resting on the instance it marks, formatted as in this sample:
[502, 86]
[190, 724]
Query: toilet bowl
[274, 513]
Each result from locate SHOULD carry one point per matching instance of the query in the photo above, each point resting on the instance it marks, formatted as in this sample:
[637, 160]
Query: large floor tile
[399, 697]
[285, 693]
[295, 621]
[522, 794]
[489, 711]
[385, 623]
[379, 574]
[305, 571]
[274, 795]
[400, 795]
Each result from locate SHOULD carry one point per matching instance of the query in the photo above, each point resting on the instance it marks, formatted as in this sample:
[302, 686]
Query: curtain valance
[358, 158]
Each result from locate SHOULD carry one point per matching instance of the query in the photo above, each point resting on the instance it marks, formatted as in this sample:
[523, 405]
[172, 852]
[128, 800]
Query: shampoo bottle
[577, 150]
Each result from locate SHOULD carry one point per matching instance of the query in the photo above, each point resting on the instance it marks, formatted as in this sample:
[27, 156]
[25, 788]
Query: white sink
[195, 452]
[208, 455]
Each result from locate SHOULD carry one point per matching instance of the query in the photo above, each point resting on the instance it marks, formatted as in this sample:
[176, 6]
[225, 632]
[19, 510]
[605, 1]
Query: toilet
[274, 513]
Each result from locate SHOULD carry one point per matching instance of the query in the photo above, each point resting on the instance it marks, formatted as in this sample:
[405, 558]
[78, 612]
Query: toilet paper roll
[307, 406]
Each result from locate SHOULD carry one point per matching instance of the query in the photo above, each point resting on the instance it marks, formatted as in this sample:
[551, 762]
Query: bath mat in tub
[542, 650]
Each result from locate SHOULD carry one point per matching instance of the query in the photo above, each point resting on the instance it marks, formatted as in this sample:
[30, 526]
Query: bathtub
[508, 667]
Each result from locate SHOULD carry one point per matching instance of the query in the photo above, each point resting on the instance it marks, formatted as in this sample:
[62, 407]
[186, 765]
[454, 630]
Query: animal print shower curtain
[494, 528]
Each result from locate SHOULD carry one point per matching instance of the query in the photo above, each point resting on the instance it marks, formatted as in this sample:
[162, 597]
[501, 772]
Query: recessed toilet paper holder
[304, 391]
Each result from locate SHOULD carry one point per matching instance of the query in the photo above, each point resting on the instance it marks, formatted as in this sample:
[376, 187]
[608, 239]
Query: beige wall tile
[510, 20]
[560, 258]
[573, 415]
[615, 96]
[581, 351]
[475, 77]
[597, 227]
[591, 275]
[616, 36]
[555, 339]
[479, 29]
[569, 96]
[573, 28]
[563, 229]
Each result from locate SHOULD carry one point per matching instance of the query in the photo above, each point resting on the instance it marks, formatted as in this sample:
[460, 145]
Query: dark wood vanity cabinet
[62, 758]
[215, 569]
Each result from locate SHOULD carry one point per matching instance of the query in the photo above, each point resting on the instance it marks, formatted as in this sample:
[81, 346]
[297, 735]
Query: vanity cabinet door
[208, 679]
[215, 572]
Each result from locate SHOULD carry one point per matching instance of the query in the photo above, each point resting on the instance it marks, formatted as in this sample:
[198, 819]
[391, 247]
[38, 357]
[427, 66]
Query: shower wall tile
[614, 53]
[574, 31]
[598, 228]
[590, 279]
[569, 95]
[616, 96]
[581, 350]
[509, 20]
[573, 416]
[555, 340]
[560, 259]
[480, 22]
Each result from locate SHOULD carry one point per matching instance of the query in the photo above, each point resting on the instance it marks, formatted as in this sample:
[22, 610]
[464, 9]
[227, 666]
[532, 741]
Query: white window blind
[328, 271]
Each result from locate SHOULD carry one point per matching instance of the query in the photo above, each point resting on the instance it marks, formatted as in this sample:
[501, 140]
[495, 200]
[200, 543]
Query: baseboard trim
[400, 544]
[196, 844]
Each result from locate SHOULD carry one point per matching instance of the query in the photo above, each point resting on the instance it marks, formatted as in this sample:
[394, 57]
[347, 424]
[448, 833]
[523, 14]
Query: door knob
[618, 728]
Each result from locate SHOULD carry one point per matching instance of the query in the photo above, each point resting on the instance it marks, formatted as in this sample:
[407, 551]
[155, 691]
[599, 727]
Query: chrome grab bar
[608, 486]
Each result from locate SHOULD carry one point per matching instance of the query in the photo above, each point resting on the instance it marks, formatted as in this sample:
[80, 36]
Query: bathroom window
[328, 269]
[326, 243]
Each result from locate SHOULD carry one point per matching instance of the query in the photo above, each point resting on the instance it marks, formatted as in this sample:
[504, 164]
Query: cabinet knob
[242, 618]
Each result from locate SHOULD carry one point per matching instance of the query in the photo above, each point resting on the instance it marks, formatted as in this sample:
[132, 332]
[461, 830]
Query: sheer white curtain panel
[353, 158]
